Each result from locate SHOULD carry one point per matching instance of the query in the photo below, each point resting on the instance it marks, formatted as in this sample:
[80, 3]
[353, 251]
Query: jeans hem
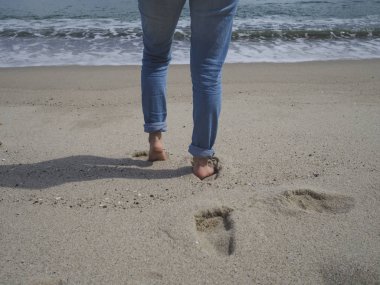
[200, 152]
[155, 127]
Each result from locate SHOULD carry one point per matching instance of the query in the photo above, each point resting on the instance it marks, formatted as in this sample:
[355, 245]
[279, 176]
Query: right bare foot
[202, 168]
[156, 151]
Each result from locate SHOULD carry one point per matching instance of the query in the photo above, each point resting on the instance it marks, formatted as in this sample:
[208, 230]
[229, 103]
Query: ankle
[154, 137]
[200, 161]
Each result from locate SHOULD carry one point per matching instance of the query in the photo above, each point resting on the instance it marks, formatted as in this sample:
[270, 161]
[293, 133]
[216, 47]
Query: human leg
[211, 27]
[158, 19]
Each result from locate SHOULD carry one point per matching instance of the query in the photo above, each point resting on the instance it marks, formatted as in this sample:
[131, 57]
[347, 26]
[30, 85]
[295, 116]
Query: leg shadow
[78, 168]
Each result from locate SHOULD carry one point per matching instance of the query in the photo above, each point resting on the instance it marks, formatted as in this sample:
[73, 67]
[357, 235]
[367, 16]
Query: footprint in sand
[215, 230]
[310, 200]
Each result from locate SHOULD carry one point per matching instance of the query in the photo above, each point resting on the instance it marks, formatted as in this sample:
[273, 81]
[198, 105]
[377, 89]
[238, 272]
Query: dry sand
[297, 203]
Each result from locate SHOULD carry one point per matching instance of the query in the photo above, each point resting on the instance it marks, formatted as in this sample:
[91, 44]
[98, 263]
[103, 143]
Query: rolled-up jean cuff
[155, 127]
[200, 152]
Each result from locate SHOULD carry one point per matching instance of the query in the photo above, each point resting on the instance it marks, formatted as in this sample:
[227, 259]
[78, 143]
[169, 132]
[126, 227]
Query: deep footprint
[215, 230]
[309, 200]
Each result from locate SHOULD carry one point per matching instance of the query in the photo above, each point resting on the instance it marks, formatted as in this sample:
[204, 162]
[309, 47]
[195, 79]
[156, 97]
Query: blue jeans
[211, 26]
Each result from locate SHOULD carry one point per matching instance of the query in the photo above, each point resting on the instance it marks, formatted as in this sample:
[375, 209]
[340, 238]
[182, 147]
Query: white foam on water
[119, 42]
[303, 50]
[37, 54]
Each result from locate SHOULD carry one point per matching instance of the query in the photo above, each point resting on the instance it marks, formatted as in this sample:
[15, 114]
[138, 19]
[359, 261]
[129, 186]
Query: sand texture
[297, 201]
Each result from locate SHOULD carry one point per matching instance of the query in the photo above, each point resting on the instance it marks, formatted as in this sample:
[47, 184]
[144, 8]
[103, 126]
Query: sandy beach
[297, 201]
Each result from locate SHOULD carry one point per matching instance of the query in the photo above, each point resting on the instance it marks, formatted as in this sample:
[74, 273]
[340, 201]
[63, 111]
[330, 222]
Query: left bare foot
[156, 151]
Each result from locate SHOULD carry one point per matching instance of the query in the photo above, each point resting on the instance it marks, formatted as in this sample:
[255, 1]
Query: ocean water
[98, 32]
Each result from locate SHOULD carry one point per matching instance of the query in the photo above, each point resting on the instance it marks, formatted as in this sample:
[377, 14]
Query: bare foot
[202, 168]
[156, 151]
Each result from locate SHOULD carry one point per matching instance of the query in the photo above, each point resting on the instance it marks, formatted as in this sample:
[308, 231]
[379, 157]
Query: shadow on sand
[54, 172]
